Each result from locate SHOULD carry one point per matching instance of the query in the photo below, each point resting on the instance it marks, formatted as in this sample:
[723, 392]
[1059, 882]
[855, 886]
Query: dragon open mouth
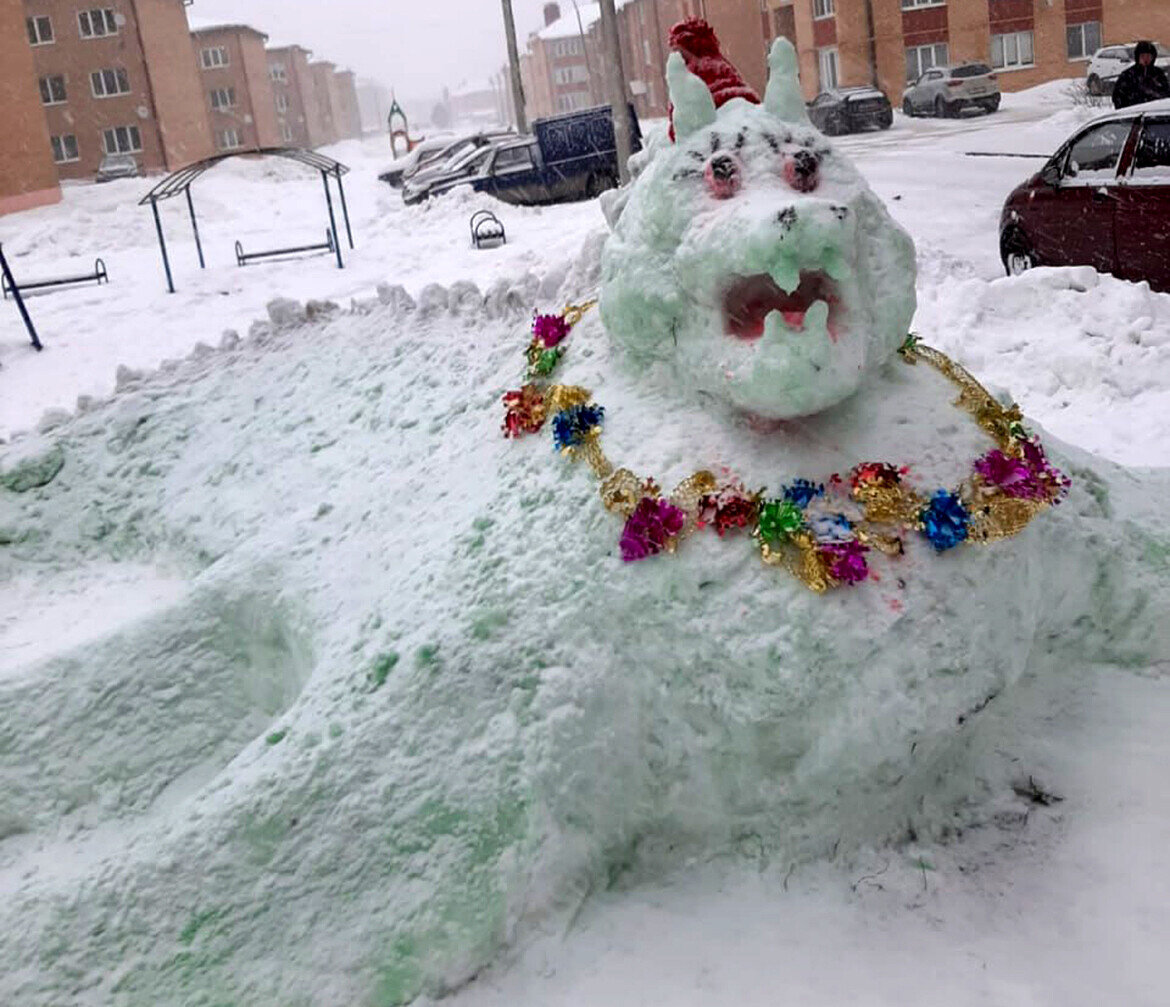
[748, 300]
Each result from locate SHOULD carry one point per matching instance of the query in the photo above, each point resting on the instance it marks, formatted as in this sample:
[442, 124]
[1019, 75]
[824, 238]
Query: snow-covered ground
[1040, 905]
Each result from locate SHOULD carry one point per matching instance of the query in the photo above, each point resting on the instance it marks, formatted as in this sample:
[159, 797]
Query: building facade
[892, 42]
[294, 96]
[28, 177]
[237, 87]
[349, 116]
[97, 71]
[325, 87]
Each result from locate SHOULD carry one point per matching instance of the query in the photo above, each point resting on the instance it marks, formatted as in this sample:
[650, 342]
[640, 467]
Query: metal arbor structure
[403, 132]
[179, 183]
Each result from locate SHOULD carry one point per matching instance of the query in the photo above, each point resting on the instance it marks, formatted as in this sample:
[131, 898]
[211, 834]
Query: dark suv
[1102, 200]
[850, 109]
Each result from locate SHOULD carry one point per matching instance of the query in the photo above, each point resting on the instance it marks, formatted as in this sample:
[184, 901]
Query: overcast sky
[414, 46]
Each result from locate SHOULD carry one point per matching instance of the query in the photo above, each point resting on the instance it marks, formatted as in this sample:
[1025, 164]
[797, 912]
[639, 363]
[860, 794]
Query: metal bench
[486, 228]
[243, 258]
[99, 276]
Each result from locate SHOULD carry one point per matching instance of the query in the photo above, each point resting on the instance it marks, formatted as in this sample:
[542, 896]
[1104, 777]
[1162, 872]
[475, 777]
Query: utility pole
[514, 63]
[616, 76]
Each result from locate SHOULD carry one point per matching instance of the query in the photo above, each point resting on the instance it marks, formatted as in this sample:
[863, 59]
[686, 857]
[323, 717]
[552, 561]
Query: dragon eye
[723, 174]
[802, 170]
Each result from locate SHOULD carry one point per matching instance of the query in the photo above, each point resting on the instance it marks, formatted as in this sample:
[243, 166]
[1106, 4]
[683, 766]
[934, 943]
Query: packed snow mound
[398, 701]
[753, 259]
[1073, 345]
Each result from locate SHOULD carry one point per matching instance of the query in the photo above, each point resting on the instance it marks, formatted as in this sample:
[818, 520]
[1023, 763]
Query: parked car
[117, 166]
[454, 152]
[460, 169]
[424, 153]
[1102, 200]
[850, 110]
[947, 90]
[1108, 63]
[567, 157]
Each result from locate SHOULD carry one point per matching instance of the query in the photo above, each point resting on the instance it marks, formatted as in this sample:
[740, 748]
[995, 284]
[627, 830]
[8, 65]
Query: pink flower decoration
[846, 561]
[549, 330]
[650, 528]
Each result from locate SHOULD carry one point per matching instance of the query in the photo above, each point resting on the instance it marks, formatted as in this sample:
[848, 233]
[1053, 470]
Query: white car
[947, 90]
[1108, 63]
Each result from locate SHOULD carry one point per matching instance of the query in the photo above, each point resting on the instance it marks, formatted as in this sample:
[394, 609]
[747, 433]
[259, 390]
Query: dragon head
[752, 258]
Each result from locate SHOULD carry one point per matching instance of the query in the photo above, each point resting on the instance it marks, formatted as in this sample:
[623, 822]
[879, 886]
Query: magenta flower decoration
[845, 561]
[1016, 478]
[549, 330]
[650, 528]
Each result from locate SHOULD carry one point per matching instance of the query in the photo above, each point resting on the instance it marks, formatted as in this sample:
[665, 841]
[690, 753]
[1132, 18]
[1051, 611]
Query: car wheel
[887, 123]
[992, 105]
[940, 108]
[1016, 252]
[1094, 85]
[907, 108]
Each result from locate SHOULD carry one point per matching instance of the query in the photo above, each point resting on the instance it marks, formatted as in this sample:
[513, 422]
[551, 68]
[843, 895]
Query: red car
[1102, 200]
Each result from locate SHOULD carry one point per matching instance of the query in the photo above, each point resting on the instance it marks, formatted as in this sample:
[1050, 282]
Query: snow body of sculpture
[406, 703]
[754, 258]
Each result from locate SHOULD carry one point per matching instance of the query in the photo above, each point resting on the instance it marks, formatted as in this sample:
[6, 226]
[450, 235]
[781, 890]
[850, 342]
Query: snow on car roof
[1162, 105]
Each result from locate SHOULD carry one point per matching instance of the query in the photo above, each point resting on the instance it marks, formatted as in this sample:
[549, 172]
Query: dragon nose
[724, 175]
[802, 171]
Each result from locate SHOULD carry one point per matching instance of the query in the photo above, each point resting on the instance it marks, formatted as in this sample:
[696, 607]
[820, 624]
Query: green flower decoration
[546, 362]
[779, 521]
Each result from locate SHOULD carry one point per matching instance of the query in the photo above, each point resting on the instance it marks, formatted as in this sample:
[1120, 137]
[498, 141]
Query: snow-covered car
[117, 166]
[1108, 63]
[850, 110]
[466, 166]
[423, 154]
[452, 155]
[1102, 200]
[947, 90]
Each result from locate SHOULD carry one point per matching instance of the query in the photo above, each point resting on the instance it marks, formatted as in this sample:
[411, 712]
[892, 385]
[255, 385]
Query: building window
[827, 62]
[223, 97]
[1083, 39]
[578, 73]
[278, 73]
[1012, 50]
[40, 30]
[64, 149]
[911, 4]
[567, 47]
[214, 57]
[824, 8]
[921, 58]
[282, 103]
[122, 140]
[108, 83]
[97, 23]
[228, 139]
[286, 132]
[52, 90]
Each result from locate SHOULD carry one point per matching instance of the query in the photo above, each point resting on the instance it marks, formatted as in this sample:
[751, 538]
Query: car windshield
[971, 70]
[460, 155]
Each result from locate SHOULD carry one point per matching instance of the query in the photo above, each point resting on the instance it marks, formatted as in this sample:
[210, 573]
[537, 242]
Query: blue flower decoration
[945, 521]
[831, 528]
[801, 491]
[572, 426]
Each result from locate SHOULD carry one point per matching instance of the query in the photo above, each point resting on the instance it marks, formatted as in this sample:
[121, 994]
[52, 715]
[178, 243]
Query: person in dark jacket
[1143, 81]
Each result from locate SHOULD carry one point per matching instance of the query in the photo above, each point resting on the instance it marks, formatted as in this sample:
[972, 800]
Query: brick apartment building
[28, 177]
[325, 85]
[96, 68]
[563, 67]
[840, 42]
[891, 42]
[349, 116]
[298, 113]
[236, 86]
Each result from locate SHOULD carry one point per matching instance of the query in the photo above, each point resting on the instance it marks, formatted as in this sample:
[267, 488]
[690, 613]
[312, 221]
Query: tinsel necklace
[798, 528]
